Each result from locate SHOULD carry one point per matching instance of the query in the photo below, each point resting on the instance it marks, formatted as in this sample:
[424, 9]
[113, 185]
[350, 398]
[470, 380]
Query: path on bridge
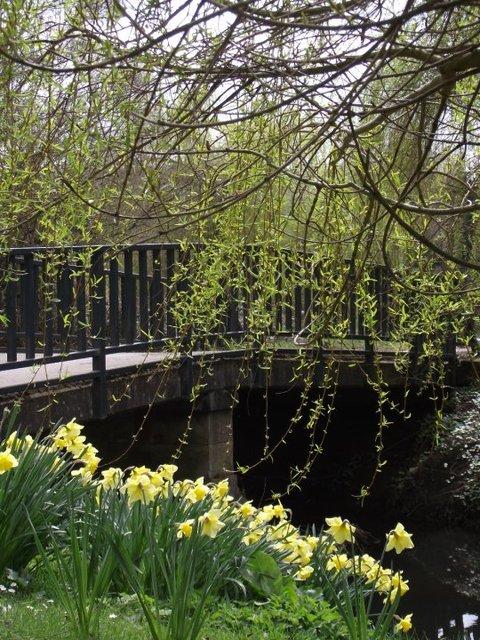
[62, 371]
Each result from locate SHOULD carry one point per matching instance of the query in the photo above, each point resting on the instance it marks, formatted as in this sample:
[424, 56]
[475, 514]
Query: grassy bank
[39, 618]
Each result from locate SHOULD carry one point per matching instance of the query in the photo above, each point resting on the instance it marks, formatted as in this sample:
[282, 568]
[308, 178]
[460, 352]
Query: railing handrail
[115, 304]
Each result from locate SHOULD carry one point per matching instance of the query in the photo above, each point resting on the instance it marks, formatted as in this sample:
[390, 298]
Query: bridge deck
[57, 371]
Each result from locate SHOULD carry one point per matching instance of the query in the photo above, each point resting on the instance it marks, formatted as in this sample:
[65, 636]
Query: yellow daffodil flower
[340, 530]
[398, 587]
[364, 564]
[337, 562]
[167, 471]
[329, 546]
[304, 573]
[67, 434]
[399, 539]
[210, 523]
[251, 538]
[185, 529]
[313, 541]
[220, 490]
[181, 487]
[198, 491]
[111, 478]
[404, 624]
[279, 511]
[83, 473]
[246, 510]
[140, 471]
[381, 578]
[139, 489]
[7, 461]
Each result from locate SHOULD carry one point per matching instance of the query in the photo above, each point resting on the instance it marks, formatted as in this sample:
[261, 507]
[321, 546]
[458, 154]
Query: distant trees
[335, 122]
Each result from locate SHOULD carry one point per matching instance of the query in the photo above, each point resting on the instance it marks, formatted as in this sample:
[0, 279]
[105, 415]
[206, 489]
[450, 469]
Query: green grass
[34, 618]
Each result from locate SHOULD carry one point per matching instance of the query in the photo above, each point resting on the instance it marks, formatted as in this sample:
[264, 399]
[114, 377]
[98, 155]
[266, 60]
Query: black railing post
[97, 301]
[29, 305]
[143, 295]
[11, 309]
[288, 297]
[374, 290]
[297, 304]
[113, 302]
[157, 314]
[130, 299]
[169, 273]
[50, 295]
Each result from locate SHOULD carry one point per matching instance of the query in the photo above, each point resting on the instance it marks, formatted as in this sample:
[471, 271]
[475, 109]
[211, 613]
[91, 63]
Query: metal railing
[80, 302]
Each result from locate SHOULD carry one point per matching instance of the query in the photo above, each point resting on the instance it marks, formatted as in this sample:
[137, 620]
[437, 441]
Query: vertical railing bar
[49, 312]
[11, 309]
[130, 302]
[157, 315]
[113, 301]
[288, 297]
[97, 301]
[279, 294]
[81, 306]
[29, 307]
[308, 299]
[143, 293]
[170, 268]
[297, 295]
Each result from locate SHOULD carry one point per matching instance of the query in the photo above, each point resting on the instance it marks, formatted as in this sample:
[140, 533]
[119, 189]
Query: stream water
[443, 595]
[444, 568]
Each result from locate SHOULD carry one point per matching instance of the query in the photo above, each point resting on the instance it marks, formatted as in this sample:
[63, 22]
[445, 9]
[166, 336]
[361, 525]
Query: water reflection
[463, 626]
[441, 600]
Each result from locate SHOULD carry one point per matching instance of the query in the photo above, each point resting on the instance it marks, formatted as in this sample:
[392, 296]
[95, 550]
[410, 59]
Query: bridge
[91, 332]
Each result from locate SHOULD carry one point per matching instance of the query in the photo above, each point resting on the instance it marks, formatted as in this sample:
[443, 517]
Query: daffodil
[399, 539]
[279, 511]
[111, 478]
[76, 446]
[246, 510]
[139, 489]
[158, 481]
[304, 573]
[338, 562]
[404, 624]
[398, 586]
[364, 564]
[12, 439]
[381, 578]
[301, 551]
[167, 471]
[340, 530]
[251, 538]
[84, 474]
[67, 434]
[140, 471]
[7, 461]
[210, 523]
[313, 541]
[185, 529]
[180, 488]
[266, 514]
[198, 491]
[329, 546]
